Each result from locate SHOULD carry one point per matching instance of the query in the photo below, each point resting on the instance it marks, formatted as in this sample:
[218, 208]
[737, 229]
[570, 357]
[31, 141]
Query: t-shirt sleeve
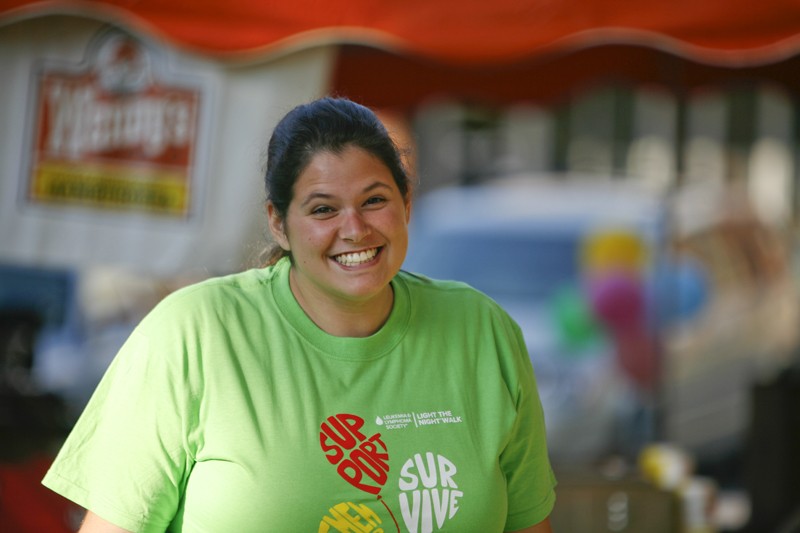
[127, 458]
[525, 462]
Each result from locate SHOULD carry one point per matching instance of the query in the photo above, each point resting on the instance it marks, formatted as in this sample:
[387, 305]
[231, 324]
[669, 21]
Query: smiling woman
[346, 230]
[328, 391]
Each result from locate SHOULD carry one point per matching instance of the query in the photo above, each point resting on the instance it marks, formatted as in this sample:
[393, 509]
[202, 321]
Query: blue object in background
[48, 293]
[681, 291]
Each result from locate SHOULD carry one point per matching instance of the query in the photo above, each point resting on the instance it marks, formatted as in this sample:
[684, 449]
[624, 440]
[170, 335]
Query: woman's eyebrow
[376, 185]
[314, 196]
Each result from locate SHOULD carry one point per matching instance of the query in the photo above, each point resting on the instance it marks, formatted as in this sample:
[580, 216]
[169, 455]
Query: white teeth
[356, 258]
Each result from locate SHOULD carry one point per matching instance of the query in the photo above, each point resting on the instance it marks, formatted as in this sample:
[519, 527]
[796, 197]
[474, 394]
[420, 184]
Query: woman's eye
[321, 210]
[375, 200]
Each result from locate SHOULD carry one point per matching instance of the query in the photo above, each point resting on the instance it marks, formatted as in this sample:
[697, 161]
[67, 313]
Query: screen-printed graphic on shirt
[429, 494]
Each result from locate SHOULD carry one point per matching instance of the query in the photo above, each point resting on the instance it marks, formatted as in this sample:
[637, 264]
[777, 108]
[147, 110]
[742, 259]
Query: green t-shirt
[229, 410]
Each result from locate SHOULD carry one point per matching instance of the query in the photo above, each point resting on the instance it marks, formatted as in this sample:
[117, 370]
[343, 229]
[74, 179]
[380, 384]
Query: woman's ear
[277, 226]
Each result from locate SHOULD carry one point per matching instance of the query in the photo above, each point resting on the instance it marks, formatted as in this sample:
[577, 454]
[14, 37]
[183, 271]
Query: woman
[327, 392]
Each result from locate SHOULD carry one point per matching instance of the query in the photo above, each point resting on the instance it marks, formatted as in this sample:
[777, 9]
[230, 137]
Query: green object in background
[574, 319]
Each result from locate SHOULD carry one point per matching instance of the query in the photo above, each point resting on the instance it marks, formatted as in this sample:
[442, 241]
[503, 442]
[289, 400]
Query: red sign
[112, 134]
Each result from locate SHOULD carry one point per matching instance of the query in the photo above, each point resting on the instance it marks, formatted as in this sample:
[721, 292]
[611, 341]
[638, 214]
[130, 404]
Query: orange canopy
[460, 32]
[397, 53]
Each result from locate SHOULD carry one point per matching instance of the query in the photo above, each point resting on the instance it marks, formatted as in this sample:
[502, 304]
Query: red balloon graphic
[361, 461]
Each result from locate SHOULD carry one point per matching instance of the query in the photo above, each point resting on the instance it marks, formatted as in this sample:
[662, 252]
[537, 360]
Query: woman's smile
[355, 259]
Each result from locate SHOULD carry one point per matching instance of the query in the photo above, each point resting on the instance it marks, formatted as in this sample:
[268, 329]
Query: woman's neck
[343, 318]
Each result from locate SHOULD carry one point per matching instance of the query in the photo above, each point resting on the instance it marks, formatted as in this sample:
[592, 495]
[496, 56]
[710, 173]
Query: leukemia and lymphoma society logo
[428, 492]
[417, 419]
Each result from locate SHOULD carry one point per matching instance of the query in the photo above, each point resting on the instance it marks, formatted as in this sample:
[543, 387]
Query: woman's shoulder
[422, 283]
[218, 293]
[451, 294]
[449, 303]
[236, 283]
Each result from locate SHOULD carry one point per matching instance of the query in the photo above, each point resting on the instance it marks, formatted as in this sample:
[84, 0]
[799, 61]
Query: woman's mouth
[356, 258]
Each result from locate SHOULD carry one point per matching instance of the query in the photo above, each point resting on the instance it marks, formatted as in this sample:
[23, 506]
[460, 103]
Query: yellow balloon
[616, 249]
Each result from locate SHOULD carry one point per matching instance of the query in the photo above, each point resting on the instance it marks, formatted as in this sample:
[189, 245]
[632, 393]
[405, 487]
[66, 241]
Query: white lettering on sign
[84, 123]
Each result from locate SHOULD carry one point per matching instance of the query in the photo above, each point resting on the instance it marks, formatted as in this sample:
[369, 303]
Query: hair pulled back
[324, 125]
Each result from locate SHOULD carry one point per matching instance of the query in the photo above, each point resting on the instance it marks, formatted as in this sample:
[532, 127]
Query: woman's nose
[354, 227]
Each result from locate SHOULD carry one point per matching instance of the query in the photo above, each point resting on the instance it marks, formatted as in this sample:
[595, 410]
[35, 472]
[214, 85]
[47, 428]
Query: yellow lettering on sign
[155, 191]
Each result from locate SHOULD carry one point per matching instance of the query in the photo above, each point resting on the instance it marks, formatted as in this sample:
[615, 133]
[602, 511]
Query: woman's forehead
[353, 170]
